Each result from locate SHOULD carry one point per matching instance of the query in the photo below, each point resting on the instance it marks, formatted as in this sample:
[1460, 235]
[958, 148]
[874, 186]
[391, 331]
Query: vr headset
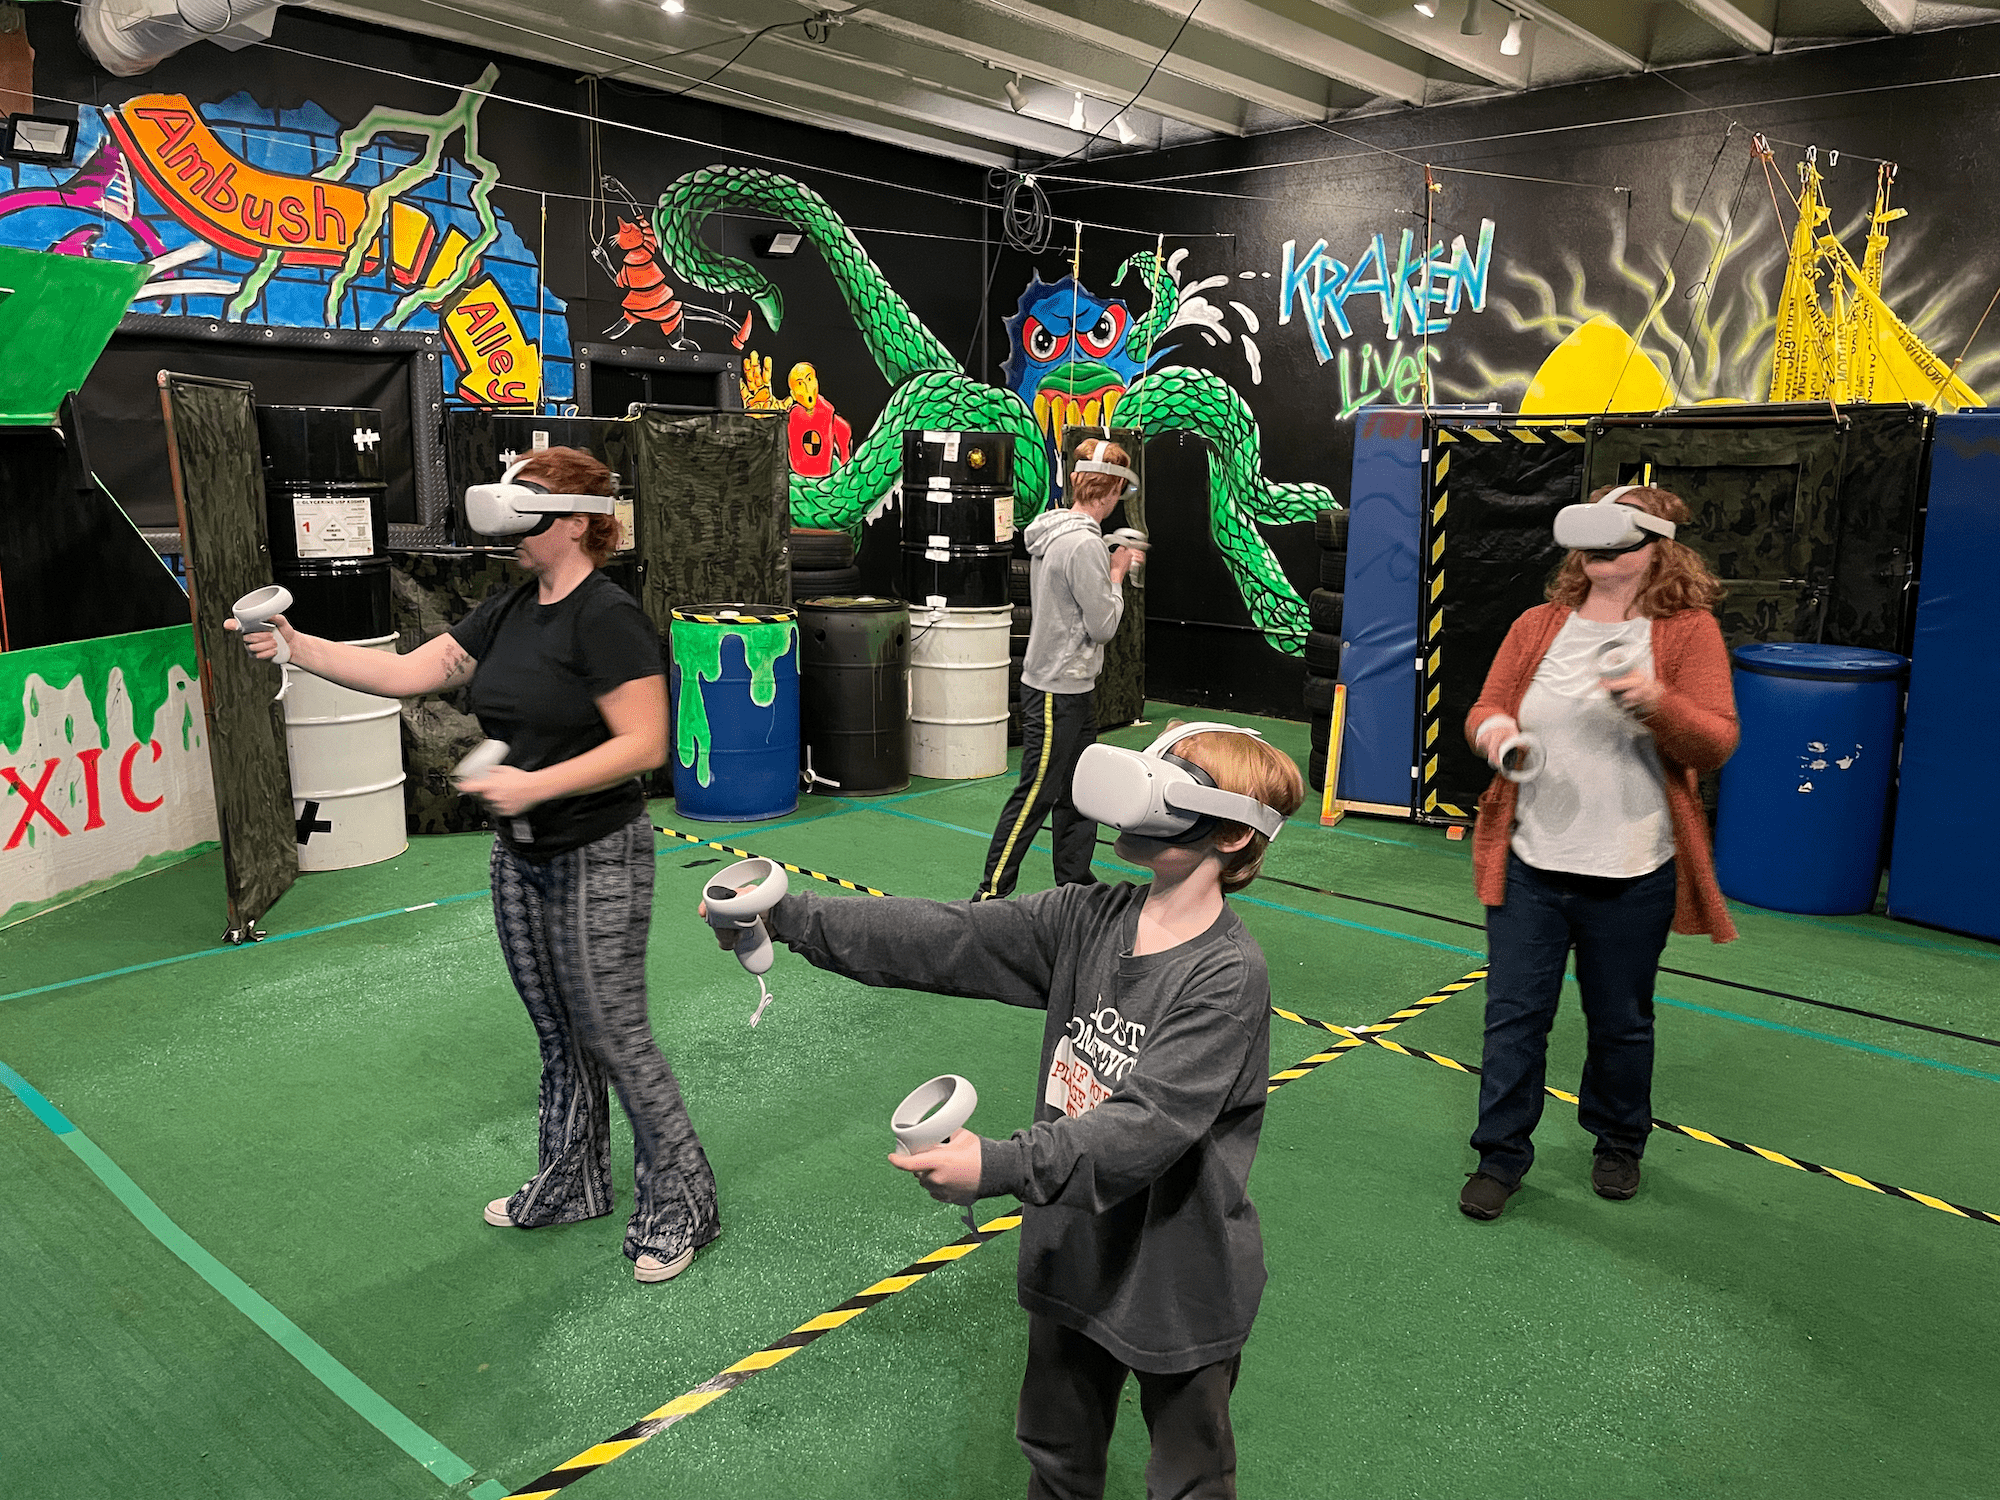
[1158, 795]
[525, 509]
[1095, 464]
[1608, 526]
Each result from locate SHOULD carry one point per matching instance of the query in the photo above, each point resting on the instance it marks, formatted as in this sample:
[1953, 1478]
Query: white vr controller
[931, 1114]
[744, 911]
[254, 612]
[483, 757]
[1129, 536]
[1520, 757]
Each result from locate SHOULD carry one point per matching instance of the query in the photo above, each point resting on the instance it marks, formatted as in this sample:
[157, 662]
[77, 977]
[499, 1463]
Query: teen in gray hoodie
[1140, 1249]
[1077, 589]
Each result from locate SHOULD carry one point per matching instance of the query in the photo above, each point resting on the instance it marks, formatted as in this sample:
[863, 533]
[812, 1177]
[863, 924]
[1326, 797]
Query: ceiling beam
[1107, 24]
[1015, 46]
[1598, 33]
[1897, 15]
[852, 115]
[1281, 36]
[1440, 37]
[1736, 24]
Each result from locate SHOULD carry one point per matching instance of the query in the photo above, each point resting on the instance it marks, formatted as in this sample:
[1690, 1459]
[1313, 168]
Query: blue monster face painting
[1070, 357]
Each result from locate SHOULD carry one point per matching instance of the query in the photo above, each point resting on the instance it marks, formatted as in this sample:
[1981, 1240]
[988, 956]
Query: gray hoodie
[1077, 606]
[1138, 1230]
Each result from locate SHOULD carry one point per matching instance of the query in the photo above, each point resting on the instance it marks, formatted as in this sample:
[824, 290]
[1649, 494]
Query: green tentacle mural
[932, 392]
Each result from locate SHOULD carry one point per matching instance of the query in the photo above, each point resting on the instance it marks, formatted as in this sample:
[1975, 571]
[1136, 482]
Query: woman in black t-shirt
[566, 669]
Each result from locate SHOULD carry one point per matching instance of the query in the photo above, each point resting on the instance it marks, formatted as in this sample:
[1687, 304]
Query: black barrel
[327, 510]
[958, 517]
[854, 696]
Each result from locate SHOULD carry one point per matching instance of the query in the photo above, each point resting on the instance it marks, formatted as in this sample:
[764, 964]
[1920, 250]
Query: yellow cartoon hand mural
[756, 385]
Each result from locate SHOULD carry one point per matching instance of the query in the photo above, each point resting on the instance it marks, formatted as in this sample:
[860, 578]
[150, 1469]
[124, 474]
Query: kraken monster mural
[932, 391]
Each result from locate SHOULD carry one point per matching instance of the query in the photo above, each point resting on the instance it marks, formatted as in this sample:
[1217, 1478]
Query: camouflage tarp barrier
[217, 470]
[431, 592]
[713, 511]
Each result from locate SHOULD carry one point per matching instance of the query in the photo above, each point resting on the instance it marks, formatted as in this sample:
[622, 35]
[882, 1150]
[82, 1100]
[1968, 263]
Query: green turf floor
[315, 1122]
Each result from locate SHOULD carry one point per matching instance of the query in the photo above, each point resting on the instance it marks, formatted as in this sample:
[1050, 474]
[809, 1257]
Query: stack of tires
[1322, 650]
[1017, 645]
[823, 564]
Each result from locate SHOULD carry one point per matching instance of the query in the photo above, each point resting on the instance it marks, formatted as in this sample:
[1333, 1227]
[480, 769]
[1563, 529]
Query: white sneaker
[652, 1268]
[497, 1215]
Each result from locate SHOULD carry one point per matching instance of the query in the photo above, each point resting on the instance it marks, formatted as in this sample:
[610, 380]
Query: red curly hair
[571, 471]
[1677, 580]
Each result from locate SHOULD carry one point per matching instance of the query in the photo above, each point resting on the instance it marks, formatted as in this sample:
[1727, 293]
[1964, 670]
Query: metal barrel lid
[736, 614]
[1818, 663]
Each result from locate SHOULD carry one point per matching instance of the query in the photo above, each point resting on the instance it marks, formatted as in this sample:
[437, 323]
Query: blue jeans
[1619, 929]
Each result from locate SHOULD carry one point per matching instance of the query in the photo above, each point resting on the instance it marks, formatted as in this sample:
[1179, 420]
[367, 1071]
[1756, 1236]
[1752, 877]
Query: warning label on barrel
[1003, 518]
[333, 526]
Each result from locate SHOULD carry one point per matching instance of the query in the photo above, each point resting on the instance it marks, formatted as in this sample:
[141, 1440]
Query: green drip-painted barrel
[735, 698]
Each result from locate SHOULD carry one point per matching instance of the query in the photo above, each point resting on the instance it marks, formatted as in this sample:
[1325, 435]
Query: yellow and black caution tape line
[715, 1389]
[724, 615]
[1796, 1163]
[1356, 1037]
[701, 843]
[771, 1355]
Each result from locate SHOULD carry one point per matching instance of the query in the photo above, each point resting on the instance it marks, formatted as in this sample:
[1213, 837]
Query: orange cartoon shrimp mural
[637, 272]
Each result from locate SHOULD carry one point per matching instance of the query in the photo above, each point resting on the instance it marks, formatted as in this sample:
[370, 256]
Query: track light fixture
[1426, 8]
[1076, 119]
[1510, 44]
[1017, 99]
[1126, 134]
[673, 7]
[1475, 18]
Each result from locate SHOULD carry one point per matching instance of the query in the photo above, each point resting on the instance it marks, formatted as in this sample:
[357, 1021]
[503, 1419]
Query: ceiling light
[778, 246]
[42, 138]
[1510, 44]
[1126, 134]
[673, 7]
[1475, 18]
[1076, 119]
[1426, 7]
[1017, 98]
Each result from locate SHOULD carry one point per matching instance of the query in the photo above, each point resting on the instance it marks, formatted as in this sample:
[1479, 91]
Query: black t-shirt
[542, 668]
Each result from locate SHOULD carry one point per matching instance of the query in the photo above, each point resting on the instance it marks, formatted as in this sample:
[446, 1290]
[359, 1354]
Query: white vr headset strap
[1192, 796]
[1644, 520]
[1095, 465]
[591, 505]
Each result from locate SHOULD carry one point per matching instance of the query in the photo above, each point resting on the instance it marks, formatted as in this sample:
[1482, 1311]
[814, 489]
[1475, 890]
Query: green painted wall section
[698, 658]
[145, 656]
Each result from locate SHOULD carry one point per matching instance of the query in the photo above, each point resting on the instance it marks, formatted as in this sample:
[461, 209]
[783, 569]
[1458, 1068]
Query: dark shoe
[1483, 1197]
[1615, 1174]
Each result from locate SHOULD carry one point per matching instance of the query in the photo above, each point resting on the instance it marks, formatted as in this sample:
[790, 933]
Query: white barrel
[347, 770]
[958, 693]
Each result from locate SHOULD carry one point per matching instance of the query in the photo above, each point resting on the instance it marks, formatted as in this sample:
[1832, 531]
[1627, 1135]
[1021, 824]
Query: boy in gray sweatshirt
[1140, 1250]
[1077, 591]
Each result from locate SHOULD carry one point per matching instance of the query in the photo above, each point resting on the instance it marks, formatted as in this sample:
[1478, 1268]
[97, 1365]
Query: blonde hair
[1676, 579]
[1097, 487]
[1248, 766]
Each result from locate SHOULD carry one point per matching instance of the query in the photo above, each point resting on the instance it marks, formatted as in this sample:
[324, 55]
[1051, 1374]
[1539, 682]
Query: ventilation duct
[129, 37]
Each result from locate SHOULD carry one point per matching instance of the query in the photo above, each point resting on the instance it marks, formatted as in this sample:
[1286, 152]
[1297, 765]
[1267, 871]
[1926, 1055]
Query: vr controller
[743, 913]
[931, 1114]
[1129, 536]
[255, 611]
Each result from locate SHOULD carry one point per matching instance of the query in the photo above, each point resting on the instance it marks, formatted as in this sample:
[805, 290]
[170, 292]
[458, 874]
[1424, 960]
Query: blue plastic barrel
[734, 695]
[1804, 796]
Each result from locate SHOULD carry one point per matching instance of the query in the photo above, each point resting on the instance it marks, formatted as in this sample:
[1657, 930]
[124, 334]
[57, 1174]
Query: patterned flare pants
[573, 931]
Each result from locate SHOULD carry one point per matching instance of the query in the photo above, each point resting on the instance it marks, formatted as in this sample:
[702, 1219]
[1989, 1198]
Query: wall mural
[930, 390]
[285, 217]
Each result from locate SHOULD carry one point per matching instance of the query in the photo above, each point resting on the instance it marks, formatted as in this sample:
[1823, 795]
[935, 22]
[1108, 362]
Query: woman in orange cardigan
[1605, 847]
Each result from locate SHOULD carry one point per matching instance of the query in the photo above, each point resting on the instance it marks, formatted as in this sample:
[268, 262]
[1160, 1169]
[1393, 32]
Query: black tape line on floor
[1728, 984]
[1365, 1036]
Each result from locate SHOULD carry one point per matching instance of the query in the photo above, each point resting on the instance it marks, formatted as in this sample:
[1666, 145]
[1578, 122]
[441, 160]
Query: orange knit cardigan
[1694, 727]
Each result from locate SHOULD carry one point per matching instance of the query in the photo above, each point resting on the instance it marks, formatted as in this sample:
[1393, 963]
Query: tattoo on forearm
[457, 666]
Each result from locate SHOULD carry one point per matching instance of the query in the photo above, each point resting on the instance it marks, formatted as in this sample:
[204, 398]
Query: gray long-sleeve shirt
[1077, 606]
[1138, 1230]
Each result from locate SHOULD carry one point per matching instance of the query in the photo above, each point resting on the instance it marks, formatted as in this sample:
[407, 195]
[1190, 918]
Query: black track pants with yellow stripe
[1055, 727]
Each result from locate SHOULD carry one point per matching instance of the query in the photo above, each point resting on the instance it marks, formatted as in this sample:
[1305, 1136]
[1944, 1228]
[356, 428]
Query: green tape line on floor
[359, 1397]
